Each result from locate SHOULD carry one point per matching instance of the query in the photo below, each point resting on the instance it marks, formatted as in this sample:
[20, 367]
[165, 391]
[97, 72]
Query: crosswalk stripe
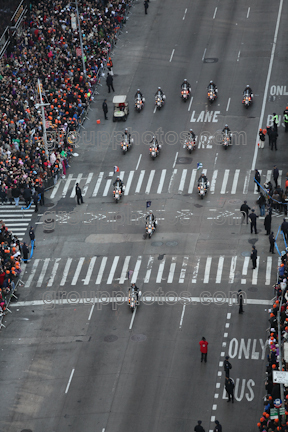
[280, 177]
[98, 183]
[219, 269]
[268, 176]
[17, 224]
[66, 271]
[90, 270]
[67, 184]
[195, 271]
[33, 271]
[225, 180]
[136, 269]
[43, 272]
[256, 186]
[172, 270]
[140, 180]
[213, 181]
[112, 271]
[161, 182]
[171, 179]
[78, 270]
[255, 272]
[88, 181]
[245, 269]
[207, 270]
[192, 181]
[235, 181]
[160, 271]
[246, 182]
[182, 181]
[78, 179]
[101, 271]
[55, 189]
[108, 183]
[123, 276]
[268, 271]
[129, 182]
[149, 269]
[183, 270]
[53, 273]
[149, 183]
[121, 175]
[232, 269]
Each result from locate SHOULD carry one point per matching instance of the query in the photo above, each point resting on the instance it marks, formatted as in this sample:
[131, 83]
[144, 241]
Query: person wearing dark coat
[229, 387]
[35, 198]
[105, 109]
[198, 427]
[32, 235]
[41, 191]
[253, 218]
[16, 195]
[262, 202]
[240, 300]
[253, 257]
[109, 82]
[269, 130]
[275, 175]
[272, 242]
[267, 223]
[274, 136]
[218, 427]
[79, 194]
[257, 179]
[25, 252]
[284, 228]
[245, 210]
[227, 366]
[146, 6]
[27, 195]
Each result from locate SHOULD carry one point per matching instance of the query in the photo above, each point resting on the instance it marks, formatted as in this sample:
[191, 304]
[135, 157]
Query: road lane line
[77, 271]
[101, 270]
[171, 179]
[91, 312]
[66, 271]
[172, 55]
[138, 161]
[136, 269]
[207, 270]
[140, 180]
[53, 273]
[227, 108]
[255, 272]
[90, 270]
[149, 269]
[213, 181]
[184, 14]
[88, 181]
[268, 176]
[225, 180]
[132, 319]
[182, 316]
[128, 184]
[175, 160]
[192, 181]
[112, 271]
[55, 190]
[155, 109]
[245, 269]
[182, 181]
[232, 269]
[43, 272]
[248, 12]
[161, 181]
[219, 269]
[70, 379]
[191, 100]
[238, 56]
[204, 54]
[160, 271]
[150, 180]
[172, 270]
[246, 182]
[67, 184]
[108, 183]
[235, 181]
[267, 83]
[99, 180]
[78, 179]
[215, 13]
[124, 274]
[268, 271]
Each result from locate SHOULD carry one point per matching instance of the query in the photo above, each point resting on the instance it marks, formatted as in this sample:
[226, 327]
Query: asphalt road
[79, 367]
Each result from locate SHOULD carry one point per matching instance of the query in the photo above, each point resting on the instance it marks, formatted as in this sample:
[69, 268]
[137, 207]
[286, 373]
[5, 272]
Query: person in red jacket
[203, 349]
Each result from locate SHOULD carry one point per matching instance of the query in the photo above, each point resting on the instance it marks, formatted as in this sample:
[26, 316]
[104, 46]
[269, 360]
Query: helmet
[185, 79]
[202, 175]
[247, 85]
[260, 130]
[191, 130]
[126, 130]
[226, 125]
[287, 107]
[118, 178]
[159, 88]
[138, 89]
[150, 211]
[211, 82]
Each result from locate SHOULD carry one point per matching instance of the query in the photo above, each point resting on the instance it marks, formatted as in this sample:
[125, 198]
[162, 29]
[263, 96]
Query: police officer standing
[79, 194]
[275, 120]
[272, 242]
[253, 218]
[244, 210]
[253, 257]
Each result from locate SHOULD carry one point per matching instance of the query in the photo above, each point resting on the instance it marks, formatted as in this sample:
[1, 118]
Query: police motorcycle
[139, 101]
[127, 142]
[185, 91]
[118, 190]
[134, 297]
[190, 142]
[203, 185]
[212, 92]
[247, 97]
[154, 149]
[159, 98]
[151, 225]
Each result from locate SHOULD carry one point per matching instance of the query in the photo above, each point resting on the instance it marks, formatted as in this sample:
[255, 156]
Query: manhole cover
[172, 243]
[110, 338]
[160, 257]
[184, 160]
[253, 241]
[49, 205]
[210, 60]
[253, 289]
[138, 338]
[245, 254]
[156, 243]
[234, 201]
[198, 205]
[117, 217]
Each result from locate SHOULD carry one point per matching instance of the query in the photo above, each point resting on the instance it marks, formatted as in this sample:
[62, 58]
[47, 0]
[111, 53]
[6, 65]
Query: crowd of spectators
[48, 49]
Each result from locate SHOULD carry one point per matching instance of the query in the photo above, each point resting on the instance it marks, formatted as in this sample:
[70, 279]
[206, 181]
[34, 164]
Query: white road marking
[112, 271]
[88, 181]
[255, 272]
[219, 269]
[246, 182]
[78, 179]
[228, 315]
[172, 55]
[53, 273]
[268, 175]
[171, 179]
[67, 184]
[160, 271]
[66, 271]
[268, 271]
[192, 181]
[215, 13]
[77, 271]
[99, 180]
[184, 14]
[132, 319]
[238, 56]
[161, 181]
[280, 177]
[124, 273]
[267, 82]
[204, 54]
[138, 163]
[225, 180]
[182, 316]
[149, 269]
[213, 181]
[225, 335]
[182, 181]
[43, 272]
[175, 160]
[155, 109]
[195, 271]
[227, 325]
[91, 312]
[245, 269]
[89, 271]
[70, 379]
[232, 269]
[191, 100]
[150, 180]
[183, 269]
[235, 181]
[33, 271]
[140, 180]
[121, 175]
[172, 270]
[108, 183]
[101, 270]
[227, 108]
[55, 190]
[248, 12]
[136, 270]
[207, 270]
[129, 181]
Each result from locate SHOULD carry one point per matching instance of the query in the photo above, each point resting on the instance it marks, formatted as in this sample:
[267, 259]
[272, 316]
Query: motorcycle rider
[203, 177]
[159, 91]
[214, 86]
[136, 290]
[138, 93]
[226, 128]
[154, 140]
[191, 135]
[248, 88]
[185, 82]
[153, 219]
[126, 136]
[119, 183]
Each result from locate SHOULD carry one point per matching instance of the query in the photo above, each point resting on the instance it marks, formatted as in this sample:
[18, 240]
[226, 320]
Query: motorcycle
[150, 227]
[202, 188]
[132, 299]
[247, 99]
[190, 145]
[159, 100]
[117, 193]
[185, 93]
[212, 94]
[139, 103]
[125, 145]
[226, 139]
[154, 151]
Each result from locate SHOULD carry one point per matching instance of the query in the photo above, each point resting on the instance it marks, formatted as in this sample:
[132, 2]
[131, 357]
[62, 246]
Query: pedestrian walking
[272, 242]
[198, 427]
[275, 120]
[32, 236]
[253, 218]
[284, 228]
[218, 427]
[274, 136]
[27, 195]
[253, 257]
[275, 175]
[79, 195]
[227, 366]
[262, 138]
[146, 5]
[245, 210]
[35, 198]
[261, 202]
[203, 349]
[269, 130]
[267, 223]
[229, 387]
[257, 179]
[25, 252]
[240, 301]
[285, 117]
[105, 109]
[41, 191]
[109, 82]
